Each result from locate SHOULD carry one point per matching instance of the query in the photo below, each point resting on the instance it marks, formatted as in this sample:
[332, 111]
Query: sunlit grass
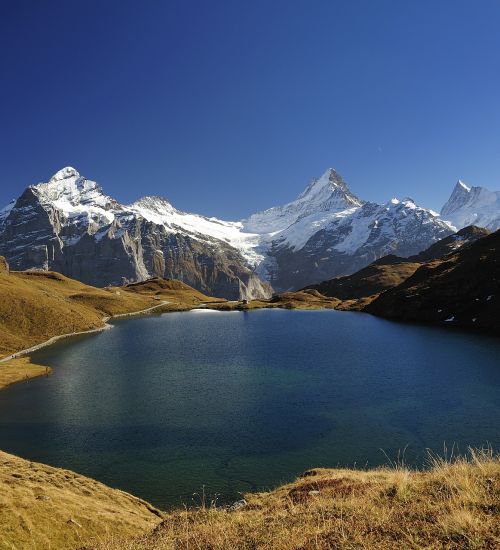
[453, 504]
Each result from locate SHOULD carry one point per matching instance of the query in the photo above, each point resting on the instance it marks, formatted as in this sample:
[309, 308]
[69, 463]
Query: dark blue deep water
[165, 406]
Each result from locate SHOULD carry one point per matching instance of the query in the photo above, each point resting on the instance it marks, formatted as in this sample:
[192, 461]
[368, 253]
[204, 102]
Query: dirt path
[106, 326]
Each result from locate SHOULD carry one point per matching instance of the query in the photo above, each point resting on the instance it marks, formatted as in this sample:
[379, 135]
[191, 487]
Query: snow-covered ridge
[326, 231]
[329, 193]
[326, 202]
[75, 196]
[160, 212]
[472, 206]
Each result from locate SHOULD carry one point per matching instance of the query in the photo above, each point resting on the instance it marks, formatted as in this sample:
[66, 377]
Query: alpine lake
[198, 406]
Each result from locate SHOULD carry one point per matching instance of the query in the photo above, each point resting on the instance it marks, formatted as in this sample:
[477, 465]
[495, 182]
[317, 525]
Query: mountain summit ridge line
[69, 224]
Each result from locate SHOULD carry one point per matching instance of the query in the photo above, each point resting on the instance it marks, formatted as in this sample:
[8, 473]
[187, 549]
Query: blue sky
[228, 107]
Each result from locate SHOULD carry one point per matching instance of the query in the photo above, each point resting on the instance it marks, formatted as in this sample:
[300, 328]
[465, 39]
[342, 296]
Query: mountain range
[70, 225]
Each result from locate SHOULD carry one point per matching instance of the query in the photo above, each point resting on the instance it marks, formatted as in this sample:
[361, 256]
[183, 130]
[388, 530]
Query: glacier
[69, 224]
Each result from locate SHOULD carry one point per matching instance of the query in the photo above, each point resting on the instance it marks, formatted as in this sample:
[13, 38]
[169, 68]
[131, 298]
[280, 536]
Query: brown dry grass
[49, 508]
[301, 299]
[453, 505]
[20, 369]
[172, 290]
[35, 306]
[369, 281]
[38, 305]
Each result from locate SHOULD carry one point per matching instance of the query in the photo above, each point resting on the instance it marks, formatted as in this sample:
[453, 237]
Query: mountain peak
[66, 189]
[64, 173]
[458, 198]
[460, 185]
[472, 206]
[328, 193]
[327, 187]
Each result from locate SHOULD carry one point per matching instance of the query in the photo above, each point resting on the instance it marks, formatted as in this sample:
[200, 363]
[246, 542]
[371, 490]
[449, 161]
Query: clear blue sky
[228, 107]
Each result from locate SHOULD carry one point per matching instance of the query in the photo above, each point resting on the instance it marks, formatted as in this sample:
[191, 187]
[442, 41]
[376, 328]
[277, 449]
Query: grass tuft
[455, 504]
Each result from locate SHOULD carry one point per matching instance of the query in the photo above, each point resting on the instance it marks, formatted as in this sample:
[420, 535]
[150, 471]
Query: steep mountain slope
[390, 271]
[328, 231]
[69, 225]
[472, 205]
[462, 289]
[328, 194]
[346, 241]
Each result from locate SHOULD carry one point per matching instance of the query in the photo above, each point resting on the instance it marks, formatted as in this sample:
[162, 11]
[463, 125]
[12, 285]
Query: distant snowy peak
[458, 198]
[331, 190]
[69, 224]
[65, 173]
[472, 206]
[67, 190]
[329, 193]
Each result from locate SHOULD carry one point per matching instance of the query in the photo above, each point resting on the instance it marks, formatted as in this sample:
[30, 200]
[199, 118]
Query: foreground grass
[49, 508]
[453, 505]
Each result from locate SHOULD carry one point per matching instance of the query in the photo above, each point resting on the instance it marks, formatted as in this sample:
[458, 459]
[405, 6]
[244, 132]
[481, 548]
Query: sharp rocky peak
[459, 196]
[329, 185]
[460, 185]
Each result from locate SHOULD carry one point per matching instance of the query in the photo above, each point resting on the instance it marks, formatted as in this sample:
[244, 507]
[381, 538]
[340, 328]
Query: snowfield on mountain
[70, 225]
[473, 206]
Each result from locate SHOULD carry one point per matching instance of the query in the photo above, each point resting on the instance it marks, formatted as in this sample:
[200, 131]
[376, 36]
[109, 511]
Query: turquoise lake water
[168, 407]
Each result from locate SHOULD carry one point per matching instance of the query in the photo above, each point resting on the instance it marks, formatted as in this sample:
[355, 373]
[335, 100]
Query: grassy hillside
[461, 289]
[454, 505]
[43, 507]
[34, 306]
[178, 294]
[358, 290]
[38, 305]
[300, 299]
[364, 285]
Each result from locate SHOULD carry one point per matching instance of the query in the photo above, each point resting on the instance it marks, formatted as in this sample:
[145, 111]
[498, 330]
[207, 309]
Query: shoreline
[45, 370]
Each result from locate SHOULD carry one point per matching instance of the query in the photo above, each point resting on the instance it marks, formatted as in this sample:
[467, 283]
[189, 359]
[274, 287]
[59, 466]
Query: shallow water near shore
[175, 406]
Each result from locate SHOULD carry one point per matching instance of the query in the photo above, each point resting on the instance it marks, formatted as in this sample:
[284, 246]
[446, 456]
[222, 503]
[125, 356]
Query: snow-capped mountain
[345, 241]
[324, 196]
[69, 224]
[472, 206]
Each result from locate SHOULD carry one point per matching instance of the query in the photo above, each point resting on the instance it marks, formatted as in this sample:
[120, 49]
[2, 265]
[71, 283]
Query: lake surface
[168, 406]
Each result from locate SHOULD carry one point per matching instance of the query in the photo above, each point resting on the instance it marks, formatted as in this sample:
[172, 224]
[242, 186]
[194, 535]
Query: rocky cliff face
[70, 225]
